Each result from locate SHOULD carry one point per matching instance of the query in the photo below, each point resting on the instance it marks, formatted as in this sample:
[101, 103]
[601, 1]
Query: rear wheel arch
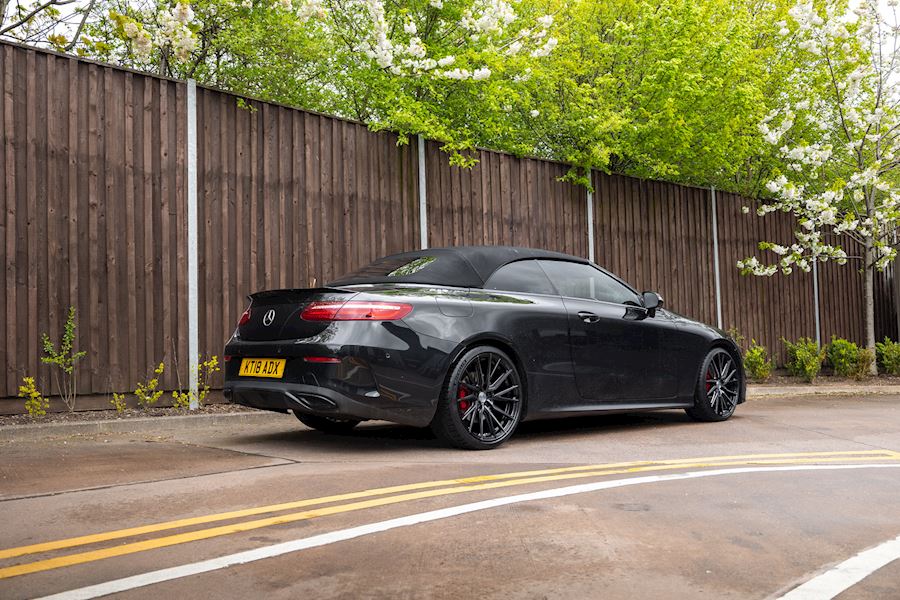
[501, 344]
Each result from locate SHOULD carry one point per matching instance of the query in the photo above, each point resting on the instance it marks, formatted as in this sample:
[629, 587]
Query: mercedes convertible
[472, 341]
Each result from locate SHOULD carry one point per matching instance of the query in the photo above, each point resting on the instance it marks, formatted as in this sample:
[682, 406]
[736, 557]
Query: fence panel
[504, 200]
[92, 179]
[657, 236]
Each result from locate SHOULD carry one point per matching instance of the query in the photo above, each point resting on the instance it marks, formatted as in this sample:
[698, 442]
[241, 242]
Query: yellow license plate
[262, 367]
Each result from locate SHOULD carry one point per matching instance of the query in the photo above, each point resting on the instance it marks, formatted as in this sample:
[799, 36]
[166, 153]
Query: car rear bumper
[325, 402]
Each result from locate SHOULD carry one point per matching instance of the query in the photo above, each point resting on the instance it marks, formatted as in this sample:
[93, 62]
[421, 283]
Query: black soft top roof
[462, 266]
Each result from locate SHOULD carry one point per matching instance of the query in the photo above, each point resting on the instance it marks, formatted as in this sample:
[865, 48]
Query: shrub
[735, 335]
[756, 362]
[118, 402]
[147, 393]
[35, 403]
[843, 356]
[205, 370]
[888, 354]
[804, 358]
[64, 359]
[864, 361]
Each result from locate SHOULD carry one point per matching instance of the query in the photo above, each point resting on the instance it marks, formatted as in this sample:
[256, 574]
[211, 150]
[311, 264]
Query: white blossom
[480, 74]
[546, 49]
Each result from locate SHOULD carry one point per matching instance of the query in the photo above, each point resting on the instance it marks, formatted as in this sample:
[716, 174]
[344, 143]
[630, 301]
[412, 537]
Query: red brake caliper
[708, 377]
[461, 393]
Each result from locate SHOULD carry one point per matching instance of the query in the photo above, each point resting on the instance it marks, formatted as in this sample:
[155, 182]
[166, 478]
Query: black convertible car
[472, 341]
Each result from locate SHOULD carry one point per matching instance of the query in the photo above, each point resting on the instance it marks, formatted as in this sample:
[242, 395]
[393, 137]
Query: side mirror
[651, 301]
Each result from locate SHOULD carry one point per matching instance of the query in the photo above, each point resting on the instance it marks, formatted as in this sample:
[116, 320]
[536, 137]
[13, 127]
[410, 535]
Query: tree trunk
[869, 300]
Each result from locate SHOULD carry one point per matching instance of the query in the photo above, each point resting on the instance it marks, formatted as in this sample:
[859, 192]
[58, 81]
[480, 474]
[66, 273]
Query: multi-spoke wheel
[482, 404]
[327, 424]
[718, 387]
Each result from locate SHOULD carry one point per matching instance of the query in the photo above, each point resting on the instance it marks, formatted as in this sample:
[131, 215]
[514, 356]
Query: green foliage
[35, 403]
[804, 358]
[757, 363]
[864, 362]
[204, 370]
[843, 356]
[672, 89]
[146, 392]
[63, 359]
[888, 354]
[118, 402]
[736, 336]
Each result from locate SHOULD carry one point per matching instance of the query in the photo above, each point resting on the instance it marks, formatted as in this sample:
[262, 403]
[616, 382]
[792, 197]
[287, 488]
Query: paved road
[650, 506]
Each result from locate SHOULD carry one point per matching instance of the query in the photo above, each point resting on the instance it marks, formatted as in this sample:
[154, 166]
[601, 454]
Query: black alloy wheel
[718, 387]
[327, 424]
[482, 403]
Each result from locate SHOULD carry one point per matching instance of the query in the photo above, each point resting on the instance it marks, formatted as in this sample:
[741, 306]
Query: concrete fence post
[716, 274]
[817, 316]
[423, 204]
[590, 220]
[192, 271]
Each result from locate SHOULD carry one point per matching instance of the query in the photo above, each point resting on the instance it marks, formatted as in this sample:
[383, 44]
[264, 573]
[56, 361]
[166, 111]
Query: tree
[44, 21]
[839, 137]
[431, 67]
[671, 89]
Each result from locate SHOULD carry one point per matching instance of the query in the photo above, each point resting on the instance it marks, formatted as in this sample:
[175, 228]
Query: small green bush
[804, 358]
[35, 403]
[118, 402]
[843, 356]
[146, 392]
[864, 361]
[205, 371]
[888, 354]
[735, 335]
[757, 363]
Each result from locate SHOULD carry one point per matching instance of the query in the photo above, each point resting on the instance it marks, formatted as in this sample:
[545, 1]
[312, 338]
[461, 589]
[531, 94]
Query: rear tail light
[245, 317]
[355, 311]
[331, 360]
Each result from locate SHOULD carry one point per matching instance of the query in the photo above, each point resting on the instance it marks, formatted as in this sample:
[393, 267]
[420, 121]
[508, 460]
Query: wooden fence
[93, 194]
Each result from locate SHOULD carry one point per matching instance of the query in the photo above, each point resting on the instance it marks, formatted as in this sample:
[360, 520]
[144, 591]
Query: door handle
[588, 317]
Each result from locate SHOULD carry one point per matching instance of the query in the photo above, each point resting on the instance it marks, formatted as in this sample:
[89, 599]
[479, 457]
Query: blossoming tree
[392, 65]
[839, 137]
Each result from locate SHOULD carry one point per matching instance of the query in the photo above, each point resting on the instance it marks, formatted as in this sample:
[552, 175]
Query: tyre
[482, 403]
[718, 387]
[327, 424]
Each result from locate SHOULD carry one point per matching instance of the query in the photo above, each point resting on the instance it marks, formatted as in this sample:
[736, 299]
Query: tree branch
[37, 9]
[87, 13]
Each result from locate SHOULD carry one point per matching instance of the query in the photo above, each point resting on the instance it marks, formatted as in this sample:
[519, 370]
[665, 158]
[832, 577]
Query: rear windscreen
[392, 266]
[440, 268]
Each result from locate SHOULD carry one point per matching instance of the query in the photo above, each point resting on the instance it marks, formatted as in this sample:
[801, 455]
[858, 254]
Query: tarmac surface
[648, 506]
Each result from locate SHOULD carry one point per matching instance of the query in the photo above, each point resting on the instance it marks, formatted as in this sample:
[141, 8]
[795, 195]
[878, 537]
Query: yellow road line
[260, 510]
[171, 540]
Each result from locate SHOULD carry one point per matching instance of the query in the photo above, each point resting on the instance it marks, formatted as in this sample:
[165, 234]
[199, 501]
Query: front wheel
[482, 403]
[327, 424]
[718, 387]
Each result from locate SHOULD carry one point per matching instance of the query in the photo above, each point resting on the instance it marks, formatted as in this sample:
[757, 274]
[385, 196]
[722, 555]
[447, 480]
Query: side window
[578, 280]
[521, 276]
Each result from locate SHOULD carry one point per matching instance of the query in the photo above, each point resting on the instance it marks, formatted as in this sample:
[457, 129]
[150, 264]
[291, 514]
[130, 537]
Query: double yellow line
[381, 497]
